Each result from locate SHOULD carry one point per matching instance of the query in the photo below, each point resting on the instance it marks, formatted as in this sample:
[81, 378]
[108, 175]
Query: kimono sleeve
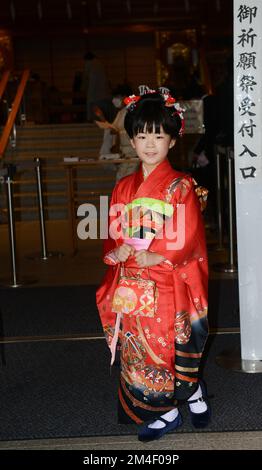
[183, 238]
[105, 292]
[112, 242]
[190, 279]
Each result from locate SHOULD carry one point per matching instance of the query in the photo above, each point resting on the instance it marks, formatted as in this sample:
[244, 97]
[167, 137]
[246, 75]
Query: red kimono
[160, 355]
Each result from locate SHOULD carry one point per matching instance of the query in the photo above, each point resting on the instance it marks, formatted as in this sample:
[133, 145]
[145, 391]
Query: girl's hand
[123, 252]
[145, 258]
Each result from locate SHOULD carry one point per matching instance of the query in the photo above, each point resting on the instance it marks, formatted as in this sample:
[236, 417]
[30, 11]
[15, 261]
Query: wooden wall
[128, 58]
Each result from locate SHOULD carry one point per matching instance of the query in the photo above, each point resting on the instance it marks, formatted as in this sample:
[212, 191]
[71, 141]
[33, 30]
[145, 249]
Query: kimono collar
[155, 179]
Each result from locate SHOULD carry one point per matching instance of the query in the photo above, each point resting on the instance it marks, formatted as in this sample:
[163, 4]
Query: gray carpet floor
[60, 389]
[72, 310]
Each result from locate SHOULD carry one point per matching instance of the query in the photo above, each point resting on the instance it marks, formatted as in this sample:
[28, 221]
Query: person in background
[203, 163]
[36, 100]
[78, 98]
[116, 143]
[225, 104]
[95, 84]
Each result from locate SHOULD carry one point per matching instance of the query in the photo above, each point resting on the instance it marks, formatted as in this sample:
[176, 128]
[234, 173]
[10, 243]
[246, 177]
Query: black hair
[149, 114]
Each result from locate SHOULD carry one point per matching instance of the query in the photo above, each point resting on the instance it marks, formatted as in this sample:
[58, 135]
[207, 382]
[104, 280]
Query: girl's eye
[159, 137]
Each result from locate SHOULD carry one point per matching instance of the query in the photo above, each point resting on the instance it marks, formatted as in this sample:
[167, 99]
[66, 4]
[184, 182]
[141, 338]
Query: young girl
[157, 234]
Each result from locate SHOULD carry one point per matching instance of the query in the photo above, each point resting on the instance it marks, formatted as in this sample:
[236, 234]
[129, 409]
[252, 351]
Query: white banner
[248, 170]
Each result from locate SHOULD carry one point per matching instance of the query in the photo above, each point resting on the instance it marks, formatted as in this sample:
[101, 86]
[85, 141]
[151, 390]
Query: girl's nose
[150, 140]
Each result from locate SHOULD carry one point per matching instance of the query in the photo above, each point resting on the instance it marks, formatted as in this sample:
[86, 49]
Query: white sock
[199, 406]
[169, 416]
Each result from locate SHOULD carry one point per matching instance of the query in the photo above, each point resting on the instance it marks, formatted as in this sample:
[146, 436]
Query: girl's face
[152, 148]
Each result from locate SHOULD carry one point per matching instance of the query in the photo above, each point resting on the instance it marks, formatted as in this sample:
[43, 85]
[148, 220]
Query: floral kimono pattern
[160, 354]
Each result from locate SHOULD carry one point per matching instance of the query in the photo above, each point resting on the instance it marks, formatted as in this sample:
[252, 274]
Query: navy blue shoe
[200, 420]
[146, 434]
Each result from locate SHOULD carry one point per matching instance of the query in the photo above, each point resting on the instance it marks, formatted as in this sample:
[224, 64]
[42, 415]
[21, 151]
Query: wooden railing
[14, 110]
[4, 82]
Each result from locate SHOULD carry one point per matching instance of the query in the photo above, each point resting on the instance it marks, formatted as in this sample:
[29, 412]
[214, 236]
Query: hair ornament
[180, 112]
[145, 90]
[169, 100]
[130, 101]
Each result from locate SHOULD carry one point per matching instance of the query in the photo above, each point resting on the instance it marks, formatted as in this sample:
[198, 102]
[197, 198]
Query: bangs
[149, 120]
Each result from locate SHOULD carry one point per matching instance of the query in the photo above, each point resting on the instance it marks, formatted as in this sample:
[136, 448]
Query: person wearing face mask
[117, 101]
[95, 84]
[116, 143]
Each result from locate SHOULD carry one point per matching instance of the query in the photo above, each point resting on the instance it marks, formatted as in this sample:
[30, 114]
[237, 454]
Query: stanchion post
[8, 178]
[11, 223]
[41, 208]
[44, 255]
[219, 202]
[229, 267]
[71, 209]
[230, 156]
